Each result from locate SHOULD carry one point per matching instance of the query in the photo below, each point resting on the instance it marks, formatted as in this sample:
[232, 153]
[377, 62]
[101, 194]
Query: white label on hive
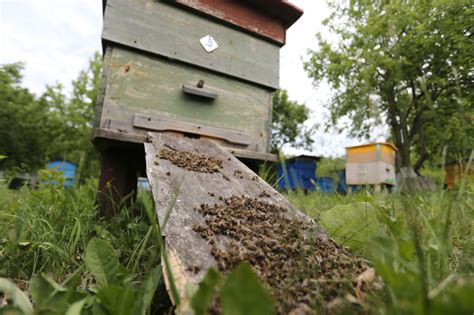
[209, 43]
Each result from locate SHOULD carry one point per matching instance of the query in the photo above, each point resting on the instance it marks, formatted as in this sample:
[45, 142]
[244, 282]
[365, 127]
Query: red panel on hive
[267, 18]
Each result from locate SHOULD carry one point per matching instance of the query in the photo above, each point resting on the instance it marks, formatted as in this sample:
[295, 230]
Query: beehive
[371, 164]
[298, 172]
[457, 171]
[205, 68]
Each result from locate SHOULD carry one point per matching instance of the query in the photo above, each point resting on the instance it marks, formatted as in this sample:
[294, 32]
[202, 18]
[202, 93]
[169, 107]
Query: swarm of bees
[191, 161]
[302, 267]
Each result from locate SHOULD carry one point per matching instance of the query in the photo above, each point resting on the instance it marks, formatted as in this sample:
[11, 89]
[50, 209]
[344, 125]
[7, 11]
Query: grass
[422, 245]
[47, 231]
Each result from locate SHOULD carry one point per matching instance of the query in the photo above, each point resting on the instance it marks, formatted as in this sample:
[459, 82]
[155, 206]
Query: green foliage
[316, 203]
[53, 126]
[48, 235]
[403, 62]
[243, 294]
[352, 225]
[102, 262]
[207, 290]
[52, 235]
[118, 300]
[17, 296]
[240, 293]
[421, 246]
[48, 229]
[50, 297]
[21, 123]
[428, 245]
[45, 230]
[328, 167]
[70, 119]
[287, 123]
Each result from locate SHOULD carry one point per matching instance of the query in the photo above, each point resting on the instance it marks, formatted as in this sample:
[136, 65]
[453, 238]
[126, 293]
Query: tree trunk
[404, 149]
[421, 148]
[399, 128]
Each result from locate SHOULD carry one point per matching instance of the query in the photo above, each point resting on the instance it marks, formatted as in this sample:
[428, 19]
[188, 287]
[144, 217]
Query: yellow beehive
[456, 171]
[371, 164]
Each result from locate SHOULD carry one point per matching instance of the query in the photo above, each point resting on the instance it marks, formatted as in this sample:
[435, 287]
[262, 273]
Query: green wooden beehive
[203, 67]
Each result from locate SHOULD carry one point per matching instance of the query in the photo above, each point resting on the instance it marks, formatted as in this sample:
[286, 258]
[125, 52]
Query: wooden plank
[241, 15]
[103, 85]
[163, 124]
[267, 18]
[170, 31]
[121, 131]
[183, 191]
[119, 136]
[147, 85]
[203, 92]
[252, 155]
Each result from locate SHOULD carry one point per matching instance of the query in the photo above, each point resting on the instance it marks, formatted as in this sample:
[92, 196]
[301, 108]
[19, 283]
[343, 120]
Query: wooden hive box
[455, 172]
[205, 68]
[371, 164]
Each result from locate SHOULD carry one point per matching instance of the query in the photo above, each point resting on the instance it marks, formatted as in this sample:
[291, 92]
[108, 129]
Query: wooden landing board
[190, 253]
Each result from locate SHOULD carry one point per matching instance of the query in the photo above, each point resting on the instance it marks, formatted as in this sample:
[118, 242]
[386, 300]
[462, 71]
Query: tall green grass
[422, 245]
[47, 230]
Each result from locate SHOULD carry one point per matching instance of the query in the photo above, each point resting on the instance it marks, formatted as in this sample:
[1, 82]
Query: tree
[55, 126]
[71, 118]
[287, 123]
[403, 63]
[21, 123]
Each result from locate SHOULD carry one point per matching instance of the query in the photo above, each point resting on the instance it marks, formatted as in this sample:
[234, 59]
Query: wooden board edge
[101, 133]
[252, 155]
[180, 279]
[162, 124]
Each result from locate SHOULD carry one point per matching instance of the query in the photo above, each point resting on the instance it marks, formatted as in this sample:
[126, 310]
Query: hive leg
[118, 180]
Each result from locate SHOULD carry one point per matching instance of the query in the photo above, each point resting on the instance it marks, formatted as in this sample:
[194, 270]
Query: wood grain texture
[370, 173]
[190, 190]
[252, 155]
[139, 84]
[103, 85]
[163, 124]
[119, 136]
[202, 92]
[170, 31]
[241, 15]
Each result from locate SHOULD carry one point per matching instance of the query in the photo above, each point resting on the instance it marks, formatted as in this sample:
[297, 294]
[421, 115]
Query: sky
[56, 38]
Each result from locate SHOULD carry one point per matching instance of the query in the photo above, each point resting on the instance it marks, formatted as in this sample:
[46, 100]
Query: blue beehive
[341, 184]
[67, 169]
[298, 172]
[326, 184]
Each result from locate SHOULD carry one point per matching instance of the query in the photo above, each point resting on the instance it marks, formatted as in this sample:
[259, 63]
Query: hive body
[371, 164]
[159, 74]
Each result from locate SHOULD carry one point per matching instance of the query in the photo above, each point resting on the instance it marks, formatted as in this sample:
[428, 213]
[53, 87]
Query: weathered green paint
[141, 84]
[164, 124]
[170, 31]
[103, 84]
